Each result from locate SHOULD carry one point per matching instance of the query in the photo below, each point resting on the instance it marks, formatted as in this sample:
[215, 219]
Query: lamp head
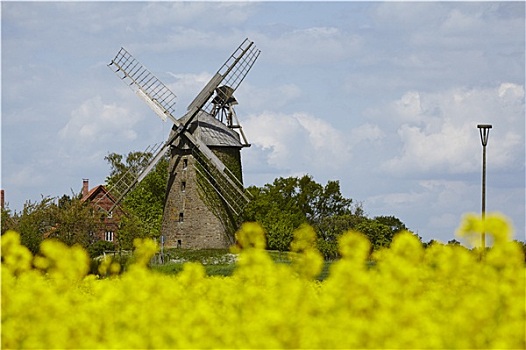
[484, 126]
[484, 133]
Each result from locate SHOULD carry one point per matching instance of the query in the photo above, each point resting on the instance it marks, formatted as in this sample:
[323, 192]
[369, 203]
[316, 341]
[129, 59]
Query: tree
[275, 209]
[453, 242]
[134, 162]
[280, 226]
[392, 222]
[522, 244]
[146, 201]
[75, 222]
[379, 234]
[34, 221]
[331, 227]
[284, 205]
[381, 230]
[7, 220]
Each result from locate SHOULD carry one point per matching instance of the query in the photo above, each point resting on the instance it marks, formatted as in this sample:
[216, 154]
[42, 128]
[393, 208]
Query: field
[444, 296]
[219, 262]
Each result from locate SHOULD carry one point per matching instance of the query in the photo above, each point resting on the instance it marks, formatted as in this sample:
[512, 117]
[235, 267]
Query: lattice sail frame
[233, 71]
[145, 84]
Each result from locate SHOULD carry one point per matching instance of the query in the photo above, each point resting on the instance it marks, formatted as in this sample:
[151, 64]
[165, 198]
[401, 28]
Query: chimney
[85, 187]
[2, 199]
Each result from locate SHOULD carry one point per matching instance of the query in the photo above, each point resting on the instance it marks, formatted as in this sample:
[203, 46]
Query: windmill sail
[117, 191]
[131, 178]
[229, 75]
[235, 199]
[162, 102]
[146, 85]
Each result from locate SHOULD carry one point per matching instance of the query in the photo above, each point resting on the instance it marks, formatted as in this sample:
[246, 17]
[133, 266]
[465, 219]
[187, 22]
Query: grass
[211, 270]
[217, 262]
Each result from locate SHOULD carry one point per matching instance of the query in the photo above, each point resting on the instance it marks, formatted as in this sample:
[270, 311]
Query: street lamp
[484, 136]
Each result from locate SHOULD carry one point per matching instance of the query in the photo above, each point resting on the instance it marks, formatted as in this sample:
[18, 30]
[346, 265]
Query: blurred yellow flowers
[405, 296]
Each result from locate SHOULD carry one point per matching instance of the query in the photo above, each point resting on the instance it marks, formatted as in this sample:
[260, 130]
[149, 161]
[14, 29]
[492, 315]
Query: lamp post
[484, 136]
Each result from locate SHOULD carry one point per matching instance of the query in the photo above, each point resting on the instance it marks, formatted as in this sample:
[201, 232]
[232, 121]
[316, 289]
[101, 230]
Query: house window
[183, 186]
[108, 236]
[181, 217]
[185, 163]
[179, 243]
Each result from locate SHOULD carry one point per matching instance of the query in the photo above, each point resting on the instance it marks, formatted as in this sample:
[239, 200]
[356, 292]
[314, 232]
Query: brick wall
[188, 221]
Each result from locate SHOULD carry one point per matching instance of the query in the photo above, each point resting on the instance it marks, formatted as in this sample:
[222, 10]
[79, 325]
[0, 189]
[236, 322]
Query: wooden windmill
[205, 192]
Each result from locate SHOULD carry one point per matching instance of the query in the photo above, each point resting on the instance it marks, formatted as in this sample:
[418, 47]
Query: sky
[384, 97]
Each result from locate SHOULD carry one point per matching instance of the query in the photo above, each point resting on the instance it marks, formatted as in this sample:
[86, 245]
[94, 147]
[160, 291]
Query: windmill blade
[131, 178]
[146, 85]
[235, 197]
[221, 174]
[231, 74]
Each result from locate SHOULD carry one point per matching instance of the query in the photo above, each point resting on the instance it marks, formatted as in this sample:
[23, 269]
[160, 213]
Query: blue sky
[384, 97]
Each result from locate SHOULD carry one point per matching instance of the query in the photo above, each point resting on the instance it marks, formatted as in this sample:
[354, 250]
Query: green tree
[279, 226]
[331, 227]
[145, 203]
[522, 244]
[274, 207]
[287, 203]
[453, 242]
[7, 220]
[380, 235]
[381, 230]
[66, 219]
[34, 222]
[75, 222]
[131, 227]
[119, 165]
[393, 222]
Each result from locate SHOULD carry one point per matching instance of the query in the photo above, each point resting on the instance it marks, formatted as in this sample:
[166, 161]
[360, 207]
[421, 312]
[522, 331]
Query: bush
[99, 247]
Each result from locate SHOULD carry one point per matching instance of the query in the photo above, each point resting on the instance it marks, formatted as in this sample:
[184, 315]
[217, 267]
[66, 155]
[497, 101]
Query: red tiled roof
[94, 191]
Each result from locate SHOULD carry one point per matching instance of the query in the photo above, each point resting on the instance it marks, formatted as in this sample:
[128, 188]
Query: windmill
[205, 192]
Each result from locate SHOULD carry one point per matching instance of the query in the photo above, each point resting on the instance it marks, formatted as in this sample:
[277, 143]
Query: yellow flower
[15, 256]
[495, 225]
[250, 235]
[354, 246]
[306, 259]
[145, 249]
[444, 296]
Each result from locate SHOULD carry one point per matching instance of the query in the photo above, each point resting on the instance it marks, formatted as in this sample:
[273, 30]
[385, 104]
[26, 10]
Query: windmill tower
[205, 192]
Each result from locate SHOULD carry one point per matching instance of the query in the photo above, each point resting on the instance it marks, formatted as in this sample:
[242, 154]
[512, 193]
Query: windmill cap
[212, 132]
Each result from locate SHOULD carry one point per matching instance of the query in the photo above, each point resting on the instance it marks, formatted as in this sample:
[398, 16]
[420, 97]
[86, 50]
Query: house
[102, 201]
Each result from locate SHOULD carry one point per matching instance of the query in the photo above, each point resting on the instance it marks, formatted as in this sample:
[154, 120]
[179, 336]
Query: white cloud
[366, 132]
[95, 121]
[311, 45]
[511, 92]
[26, 174]
[297, 142]
[458, 21]
[195, 13]
[403, 15]
[252, 97]
[397, 199]
[438, 131]
[186, 87]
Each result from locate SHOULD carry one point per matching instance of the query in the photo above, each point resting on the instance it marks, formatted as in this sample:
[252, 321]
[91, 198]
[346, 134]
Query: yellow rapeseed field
[445, 297]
